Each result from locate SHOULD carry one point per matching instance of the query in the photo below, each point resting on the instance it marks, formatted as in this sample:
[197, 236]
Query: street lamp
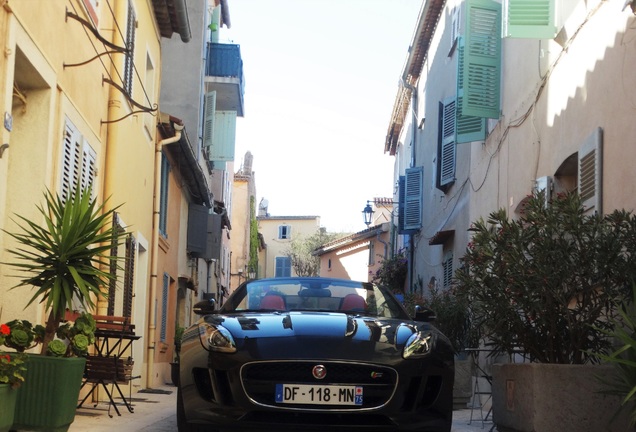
[367, 213]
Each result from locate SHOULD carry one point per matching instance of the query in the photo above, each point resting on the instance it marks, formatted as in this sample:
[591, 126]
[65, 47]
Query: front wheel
[182, 421]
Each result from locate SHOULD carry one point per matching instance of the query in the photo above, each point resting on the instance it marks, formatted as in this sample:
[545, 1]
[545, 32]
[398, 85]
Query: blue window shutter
[482, 59]
[283, 267]
[164, 308]
[469, 128]
[447, 150]
[531, 19]
[224, 136]
[401, 203]
[414, 178]
[208, 122]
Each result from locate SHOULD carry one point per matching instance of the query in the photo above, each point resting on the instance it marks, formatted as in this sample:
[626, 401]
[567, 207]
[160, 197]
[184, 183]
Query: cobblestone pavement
[155, 412]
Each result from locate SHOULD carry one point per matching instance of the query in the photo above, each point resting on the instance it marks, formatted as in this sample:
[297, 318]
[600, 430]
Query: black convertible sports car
[311, 354]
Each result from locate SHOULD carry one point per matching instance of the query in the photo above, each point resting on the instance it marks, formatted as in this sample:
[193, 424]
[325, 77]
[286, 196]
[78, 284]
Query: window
[447, 268]
[131, 27]
[467, 128]
[149, 84]
[446, 144]
[481, 72]
[164, 307]
[371, 253]
[412, 208]
[129, 275]
[208, 120]
[78, 162]
[163, 199]
[590, 173]
[455, 27]
[535, 19]
[284, 232]
[283, 267]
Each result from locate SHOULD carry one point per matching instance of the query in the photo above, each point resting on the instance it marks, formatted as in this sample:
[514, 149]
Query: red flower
[5, 330]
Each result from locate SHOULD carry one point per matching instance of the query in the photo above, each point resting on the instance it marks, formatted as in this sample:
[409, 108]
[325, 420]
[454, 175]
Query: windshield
[314, 294]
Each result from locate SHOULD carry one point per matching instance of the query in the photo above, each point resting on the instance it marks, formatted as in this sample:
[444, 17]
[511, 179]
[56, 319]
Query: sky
[321, 78]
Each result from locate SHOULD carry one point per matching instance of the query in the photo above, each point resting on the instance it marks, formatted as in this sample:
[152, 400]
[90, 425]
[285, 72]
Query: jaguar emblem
[319, 372]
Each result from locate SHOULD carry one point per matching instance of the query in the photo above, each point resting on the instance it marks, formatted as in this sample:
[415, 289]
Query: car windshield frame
[312, 294]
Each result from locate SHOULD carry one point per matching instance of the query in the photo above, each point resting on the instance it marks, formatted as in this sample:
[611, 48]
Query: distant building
[278, 233]
[358, 256]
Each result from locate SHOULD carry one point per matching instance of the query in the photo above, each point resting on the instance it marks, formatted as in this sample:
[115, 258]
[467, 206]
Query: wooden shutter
[164, 308]
[532, 19]
[89, 168]
[413, 183]
[208, 123]
[129, 275]
[129, 62]
[482, 68]
[224, 136]
[283, 267]
[469, 128]
[590, 172]
[71, 160]
[447, 149]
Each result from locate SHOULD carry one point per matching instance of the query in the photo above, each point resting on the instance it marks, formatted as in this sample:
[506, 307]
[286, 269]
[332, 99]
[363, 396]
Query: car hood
[317, 326]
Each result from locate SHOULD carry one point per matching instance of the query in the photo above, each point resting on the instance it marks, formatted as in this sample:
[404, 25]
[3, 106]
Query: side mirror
[204, 307]
[424, 314]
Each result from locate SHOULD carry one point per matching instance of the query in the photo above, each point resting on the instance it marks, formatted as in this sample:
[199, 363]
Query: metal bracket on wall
[3, 147]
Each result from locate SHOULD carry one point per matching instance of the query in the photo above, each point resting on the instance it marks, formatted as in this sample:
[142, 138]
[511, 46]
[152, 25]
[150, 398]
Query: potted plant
[543, 286]
[174, 366]
[12, 369]
[62, 256]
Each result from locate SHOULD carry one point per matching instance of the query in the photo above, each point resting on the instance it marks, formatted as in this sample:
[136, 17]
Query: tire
[182, 421]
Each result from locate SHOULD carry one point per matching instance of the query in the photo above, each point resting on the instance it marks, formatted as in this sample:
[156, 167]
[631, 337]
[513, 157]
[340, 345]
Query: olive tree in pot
[544, 285]
[62, 257]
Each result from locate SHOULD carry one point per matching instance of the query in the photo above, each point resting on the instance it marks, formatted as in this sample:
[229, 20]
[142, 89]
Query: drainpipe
[154, 264]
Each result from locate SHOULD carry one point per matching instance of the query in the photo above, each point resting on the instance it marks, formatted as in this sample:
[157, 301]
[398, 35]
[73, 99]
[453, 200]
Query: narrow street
[155, 412]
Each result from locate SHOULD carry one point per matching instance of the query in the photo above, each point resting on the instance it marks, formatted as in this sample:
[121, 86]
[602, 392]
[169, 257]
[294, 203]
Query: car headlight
[216, 338]
[419, 345]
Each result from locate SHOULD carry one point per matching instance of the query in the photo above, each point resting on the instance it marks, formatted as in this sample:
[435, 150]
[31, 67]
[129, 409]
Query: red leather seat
[353, 302]
[273, 301]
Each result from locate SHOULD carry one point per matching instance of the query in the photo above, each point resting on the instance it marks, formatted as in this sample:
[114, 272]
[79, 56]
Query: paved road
[155, 412]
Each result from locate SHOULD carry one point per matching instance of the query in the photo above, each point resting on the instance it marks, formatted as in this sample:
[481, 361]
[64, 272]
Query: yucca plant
[66, 256]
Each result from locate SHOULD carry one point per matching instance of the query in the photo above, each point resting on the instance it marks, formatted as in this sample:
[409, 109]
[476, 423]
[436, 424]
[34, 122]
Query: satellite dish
[264, 203]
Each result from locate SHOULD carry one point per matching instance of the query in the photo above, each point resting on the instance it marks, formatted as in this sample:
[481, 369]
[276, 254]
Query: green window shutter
[224, 140]
[532, 19]
[590, 172]
[469, 128]
[414, 178]
[447, 150]
[208, 122]
[482, 59]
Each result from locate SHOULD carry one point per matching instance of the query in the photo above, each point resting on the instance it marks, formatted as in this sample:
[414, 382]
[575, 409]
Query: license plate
[318, 394]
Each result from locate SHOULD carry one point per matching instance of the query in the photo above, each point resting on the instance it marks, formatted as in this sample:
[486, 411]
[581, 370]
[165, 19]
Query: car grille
[259, 381]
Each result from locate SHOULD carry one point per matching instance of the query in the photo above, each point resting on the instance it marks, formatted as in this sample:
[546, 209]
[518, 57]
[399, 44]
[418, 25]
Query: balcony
[224, 74]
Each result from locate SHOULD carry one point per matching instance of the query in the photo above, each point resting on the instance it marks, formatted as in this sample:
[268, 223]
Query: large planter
[8, 397]
[553, 398]
[48, 398]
